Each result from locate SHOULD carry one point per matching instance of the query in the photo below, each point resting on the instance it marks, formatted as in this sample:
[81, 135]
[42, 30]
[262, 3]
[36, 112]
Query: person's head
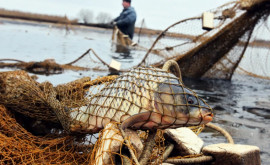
[126, 3]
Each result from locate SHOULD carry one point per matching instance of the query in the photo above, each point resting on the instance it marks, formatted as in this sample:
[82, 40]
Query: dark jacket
[126, 21]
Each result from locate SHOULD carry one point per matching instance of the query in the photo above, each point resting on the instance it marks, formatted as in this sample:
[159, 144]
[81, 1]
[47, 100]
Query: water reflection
[240, 107]
[121, 54]
[263, 112]
[124, 52]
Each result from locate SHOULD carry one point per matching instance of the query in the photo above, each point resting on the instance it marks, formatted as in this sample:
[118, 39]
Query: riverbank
[18, 15]
[65, 21]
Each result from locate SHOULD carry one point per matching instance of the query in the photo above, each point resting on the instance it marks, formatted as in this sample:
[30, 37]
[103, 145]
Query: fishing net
[119, 37]
[235, 44]
[47, 67]
[21, 93]
[227, 48]
[78, 122]
[141, 98]
[20, 146]
[36, 128]
[219, 51]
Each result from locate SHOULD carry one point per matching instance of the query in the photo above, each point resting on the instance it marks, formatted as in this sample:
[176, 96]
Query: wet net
[37, 125]
[85, 121]
[234, 43]
[141, 98]
[226, 42]
[19, 146]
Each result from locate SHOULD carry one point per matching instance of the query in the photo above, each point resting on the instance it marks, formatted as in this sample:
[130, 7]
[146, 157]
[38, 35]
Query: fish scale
[137, 94]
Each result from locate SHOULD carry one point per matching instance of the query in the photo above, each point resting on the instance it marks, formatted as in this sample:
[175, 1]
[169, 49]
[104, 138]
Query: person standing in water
[126, 20]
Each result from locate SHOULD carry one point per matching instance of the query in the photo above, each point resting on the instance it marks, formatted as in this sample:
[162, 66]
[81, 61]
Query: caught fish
[143, 98]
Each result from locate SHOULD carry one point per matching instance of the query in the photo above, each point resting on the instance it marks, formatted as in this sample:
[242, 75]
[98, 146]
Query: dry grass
[35, 17]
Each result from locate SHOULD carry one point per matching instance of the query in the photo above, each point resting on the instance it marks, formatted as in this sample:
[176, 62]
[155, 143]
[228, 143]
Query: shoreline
[41, 18]
[25, 17]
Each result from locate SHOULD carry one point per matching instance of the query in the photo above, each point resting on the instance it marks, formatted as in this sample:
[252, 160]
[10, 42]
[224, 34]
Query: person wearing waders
[126, 20]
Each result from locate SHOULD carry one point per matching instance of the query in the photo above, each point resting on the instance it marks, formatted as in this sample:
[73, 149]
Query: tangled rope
[203, 158]
[144, 159]
[155, 150]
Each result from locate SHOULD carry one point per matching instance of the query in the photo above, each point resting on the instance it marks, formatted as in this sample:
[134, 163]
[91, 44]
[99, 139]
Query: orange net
[221, 43]
[18, 145]
[38, 127]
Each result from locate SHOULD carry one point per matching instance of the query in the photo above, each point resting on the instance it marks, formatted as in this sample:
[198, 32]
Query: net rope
[226, 51]
[36, 122]
[30, 106]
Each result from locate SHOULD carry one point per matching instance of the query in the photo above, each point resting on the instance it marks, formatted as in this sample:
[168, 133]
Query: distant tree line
[87, 16]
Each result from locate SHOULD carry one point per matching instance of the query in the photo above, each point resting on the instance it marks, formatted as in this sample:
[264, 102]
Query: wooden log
[135, 141]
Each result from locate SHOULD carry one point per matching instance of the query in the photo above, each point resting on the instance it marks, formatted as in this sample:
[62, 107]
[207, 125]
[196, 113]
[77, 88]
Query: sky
[158, 14]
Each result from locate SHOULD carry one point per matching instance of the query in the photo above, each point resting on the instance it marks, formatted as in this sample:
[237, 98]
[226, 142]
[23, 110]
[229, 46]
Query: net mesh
[31, 107]
[20, 146]
[229, 48]
[143, 98]
[80, 122]
[219, 52]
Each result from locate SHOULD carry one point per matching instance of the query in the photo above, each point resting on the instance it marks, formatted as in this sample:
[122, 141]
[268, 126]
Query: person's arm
[129, 18]
[116, 19]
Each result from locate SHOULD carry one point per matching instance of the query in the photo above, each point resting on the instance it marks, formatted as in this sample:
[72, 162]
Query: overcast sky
[158, 14]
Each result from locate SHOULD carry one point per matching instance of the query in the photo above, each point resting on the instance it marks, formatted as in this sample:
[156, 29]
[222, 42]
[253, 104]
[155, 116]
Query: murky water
[242, 106]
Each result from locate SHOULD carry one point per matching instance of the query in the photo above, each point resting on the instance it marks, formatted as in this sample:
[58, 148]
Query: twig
[167, 152]
[147, 151]
[128, 144]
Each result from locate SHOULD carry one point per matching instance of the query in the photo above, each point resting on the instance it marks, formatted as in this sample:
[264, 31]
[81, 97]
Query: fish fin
[145, 116]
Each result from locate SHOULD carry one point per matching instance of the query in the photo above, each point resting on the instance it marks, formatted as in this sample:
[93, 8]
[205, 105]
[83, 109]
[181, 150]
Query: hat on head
[127, 1]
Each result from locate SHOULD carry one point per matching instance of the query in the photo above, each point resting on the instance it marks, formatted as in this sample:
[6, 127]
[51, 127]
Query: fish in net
[143, 98]
[82, 108]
